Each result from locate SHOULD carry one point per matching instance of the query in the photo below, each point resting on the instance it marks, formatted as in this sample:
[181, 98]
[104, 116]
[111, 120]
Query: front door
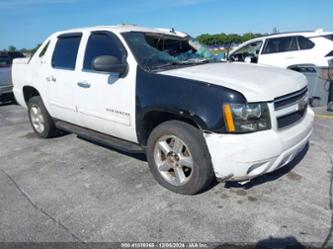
[106, 101]
[60, 78]
[280, 52]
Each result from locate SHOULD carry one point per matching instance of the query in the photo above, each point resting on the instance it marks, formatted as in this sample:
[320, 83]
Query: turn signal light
[228, 118]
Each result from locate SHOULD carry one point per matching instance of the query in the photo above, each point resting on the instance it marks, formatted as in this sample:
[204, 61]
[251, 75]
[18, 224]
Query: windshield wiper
[157, 67]
[194, 61]
[180, 63]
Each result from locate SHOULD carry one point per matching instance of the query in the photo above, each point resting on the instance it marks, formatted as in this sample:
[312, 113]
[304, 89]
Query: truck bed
[21, 75]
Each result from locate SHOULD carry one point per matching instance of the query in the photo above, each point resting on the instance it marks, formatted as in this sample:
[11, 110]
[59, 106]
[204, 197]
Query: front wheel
[179, 159]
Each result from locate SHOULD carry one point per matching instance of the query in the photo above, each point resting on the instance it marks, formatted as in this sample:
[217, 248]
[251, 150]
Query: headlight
[241, 118]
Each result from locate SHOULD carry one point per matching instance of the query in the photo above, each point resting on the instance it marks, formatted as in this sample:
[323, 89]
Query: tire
[315, 102]
[175, 147]
[37, 108]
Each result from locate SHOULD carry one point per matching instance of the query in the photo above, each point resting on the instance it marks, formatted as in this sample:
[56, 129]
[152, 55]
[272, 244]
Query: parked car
[6, 59]
[287, 49]
[149, 90]
[305, 52]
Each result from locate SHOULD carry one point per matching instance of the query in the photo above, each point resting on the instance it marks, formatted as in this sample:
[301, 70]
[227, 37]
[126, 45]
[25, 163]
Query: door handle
[84, 84]
[51, 78]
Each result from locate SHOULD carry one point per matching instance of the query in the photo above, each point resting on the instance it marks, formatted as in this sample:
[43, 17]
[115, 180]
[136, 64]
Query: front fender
[199, 101]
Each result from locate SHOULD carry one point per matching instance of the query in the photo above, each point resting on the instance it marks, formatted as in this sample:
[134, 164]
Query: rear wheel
[315, 102]
[40, 120]
[179, 159]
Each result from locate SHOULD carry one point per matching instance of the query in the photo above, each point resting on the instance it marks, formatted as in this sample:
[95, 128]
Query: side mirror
[110, 64]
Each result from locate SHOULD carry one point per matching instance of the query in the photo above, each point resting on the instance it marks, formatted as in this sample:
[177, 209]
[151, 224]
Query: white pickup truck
[158, 91]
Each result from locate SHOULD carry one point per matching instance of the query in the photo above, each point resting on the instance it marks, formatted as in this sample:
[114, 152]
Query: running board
[99, 138]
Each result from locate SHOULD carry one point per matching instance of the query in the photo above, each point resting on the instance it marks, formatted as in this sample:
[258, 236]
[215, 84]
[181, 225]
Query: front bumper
[239, 157]
[6, 89]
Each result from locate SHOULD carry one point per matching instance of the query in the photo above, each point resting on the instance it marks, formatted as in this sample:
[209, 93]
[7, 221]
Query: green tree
[11, 49]
[222, 38]
[24, 50]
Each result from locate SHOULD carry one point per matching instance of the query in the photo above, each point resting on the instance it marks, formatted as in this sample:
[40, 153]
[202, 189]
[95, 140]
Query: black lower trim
[100, 138]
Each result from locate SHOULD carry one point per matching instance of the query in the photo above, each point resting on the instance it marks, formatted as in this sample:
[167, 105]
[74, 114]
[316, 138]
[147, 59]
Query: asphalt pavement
[68, 189]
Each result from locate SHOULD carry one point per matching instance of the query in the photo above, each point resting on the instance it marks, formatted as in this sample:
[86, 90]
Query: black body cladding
[198, 101]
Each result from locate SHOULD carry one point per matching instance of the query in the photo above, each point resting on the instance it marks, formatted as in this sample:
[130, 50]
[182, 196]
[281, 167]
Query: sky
[25, 23]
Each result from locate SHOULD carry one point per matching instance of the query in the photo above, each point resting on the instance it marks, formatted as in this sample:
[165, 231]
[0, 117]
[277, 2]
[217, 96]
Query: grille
[289, 99]
[297, 99]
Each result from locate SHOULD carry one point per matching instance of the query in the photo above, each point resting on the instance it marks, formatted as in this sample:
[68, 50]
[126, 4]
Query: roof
[308, 34]
[121, 28]
[318, 32]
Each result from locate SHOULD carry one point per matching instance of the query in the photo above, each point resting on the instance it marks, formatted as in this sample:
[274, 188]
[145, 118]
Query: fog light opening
[255, 168]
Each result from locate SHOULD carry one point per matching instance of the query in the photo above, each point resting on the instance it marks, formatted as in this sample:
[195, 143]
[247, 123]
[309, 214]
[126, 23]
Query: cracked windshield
[161, 52]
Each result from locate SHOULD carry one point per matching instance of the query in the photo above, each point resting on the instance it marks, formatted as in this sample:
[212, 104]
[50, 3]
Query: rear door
[280, 51]
[60, 78]
[106, 101]
[306, 54]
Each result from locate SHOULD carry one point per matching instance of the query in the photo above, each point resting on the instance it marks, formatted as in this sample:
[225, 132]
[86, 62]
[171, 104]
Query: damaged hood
[256, 82]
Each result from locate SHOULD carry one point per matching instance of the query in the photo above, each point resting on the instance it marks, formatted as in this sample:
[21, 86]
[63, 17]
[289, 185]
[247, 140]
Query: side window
[102, 43]
[65, 52]
[278, 45]
[305, 43]
[250, 50]
[330, 37]
[42, 53]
